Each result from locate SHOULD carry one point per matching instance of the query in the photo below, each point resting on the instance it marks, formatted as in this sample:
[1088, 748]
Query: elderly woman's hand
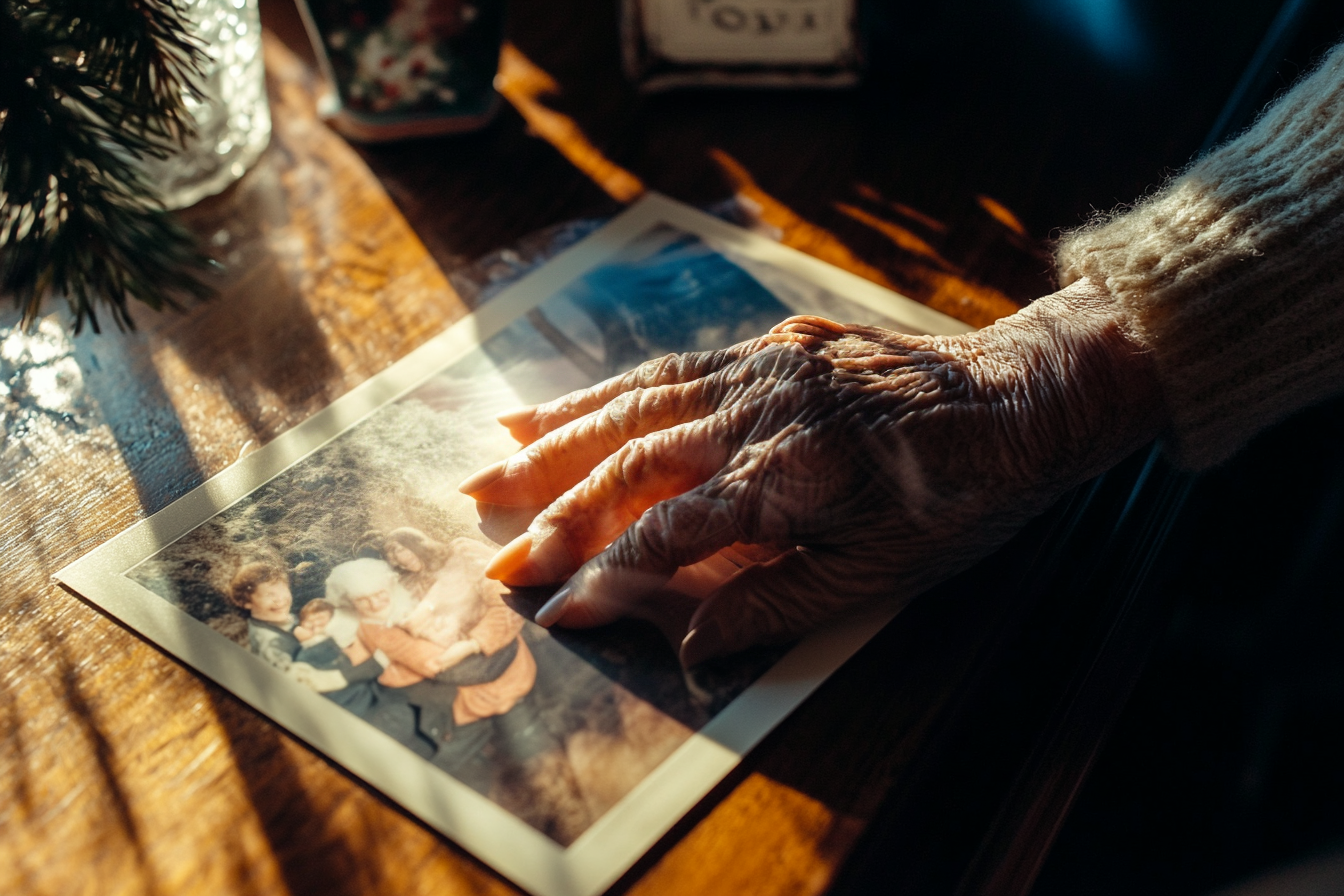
[871, 464]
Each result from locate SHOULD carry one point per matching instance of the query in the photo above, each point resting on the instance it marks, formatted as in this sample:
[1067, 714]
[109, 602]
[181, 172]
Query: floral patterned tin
[406, 68]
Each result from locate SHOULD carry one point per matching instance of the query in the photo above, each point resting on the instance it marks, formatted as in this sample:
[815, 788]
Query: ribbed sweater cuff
[1233, 274]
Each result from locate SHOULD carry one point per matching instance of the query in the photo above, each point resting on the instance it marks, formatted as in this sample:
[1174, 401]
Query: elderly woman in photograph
[457, 706]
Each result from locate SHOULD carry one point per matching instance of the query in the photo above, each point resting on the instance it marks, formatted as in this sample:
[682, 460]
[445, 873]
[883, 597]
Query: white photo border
[618, 839]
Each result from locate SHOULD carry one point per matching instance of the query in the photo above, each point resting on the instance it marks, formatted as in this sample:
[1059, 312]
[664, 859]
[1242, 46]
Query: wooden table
[123, 772]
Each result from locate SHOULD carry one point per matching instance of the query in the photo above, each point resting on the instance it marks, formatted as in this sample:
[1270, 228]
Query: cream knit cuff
[1233, 273]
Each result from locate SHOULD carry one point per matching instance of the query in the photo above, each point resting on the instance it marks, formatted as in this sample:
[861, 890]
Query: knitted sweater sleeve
[1233, 274]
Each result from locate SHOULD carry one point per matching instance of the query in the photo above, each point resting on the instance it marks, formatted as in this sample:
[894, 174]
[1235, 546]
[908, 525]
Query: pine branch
[87, 89]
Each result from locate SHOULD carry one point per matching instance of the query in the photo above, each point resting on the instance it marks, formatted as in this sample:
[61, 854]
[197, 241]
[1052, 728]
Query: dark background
[1227, 759]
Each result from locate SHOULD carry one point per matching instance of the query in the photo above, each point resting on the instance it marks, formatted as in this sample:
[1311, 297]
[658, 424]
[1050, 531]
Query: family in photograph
[412, 637]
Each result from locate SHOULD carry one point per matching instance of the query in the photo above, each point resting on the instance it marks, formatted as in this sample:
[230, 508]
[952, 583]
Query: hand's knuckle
[654, 534]
[655, 404]
[635, 463]
[621, 416]
[654, 370]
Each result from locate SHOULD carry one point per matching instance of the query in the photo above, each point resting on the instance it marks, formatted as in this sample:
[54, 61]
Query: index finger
[527, 425]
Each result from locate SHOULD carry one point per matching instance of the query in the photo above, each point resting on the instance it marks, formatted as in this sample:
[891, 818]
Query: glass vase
[233, 120]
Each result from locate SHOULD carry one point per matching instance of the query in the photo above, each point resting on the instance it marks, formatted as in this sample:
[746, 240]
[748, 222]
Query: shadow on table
[255, 348]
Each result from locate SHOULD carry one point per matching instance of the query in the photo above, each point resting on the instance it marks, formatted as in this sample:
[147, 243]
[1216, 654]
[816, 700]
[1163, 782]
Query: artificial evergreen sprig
[87, 88]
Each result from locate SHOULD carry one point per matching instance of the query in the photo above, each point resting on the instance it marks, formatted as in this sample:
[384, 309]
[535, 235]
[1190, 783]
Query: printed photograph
[358, 571]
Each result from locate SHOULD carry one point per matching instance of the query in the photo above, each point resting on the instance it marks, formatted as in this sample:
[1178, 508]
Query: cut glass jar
[232, 120]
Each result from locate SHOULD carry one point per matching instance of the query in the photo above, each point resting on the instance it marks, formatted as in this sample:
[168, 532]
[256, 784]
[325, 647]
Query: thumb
[771, 602]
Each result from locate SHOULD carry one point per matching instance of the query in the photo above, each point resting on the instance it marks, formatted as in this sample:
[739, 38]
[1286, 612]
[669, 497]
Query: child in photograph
[261, 590]
[317, 647]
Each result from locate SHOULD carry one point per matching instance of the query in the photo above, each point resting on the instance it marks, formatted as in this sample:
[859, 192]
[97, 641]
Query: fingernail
[704, 642]
[553, 609]
[481, 478]
[517, 416]
[510, 557]
[549, 562]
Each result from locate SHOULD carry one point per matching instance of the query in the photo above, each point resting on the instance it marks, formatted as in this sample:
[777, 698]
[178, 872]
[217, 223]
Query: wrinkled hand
[872, 464]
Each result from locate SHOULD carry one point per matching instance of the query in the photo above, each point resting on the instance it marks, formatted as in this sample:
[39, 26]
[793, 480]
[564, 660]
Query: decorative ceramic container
[407, 68]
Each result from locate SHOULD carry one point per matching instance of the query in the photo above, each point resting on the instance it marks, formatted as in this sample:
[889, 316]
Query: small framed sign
[744, 43]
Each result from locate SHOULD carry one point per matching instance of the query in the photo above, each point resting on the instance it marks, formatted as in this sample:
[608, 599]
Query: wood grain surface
[121, 772]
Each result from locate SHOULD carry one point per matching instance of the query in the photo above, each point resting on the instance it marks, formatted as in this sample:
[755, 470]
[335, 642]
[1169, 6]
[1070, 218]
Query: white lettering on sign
[776, 32]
